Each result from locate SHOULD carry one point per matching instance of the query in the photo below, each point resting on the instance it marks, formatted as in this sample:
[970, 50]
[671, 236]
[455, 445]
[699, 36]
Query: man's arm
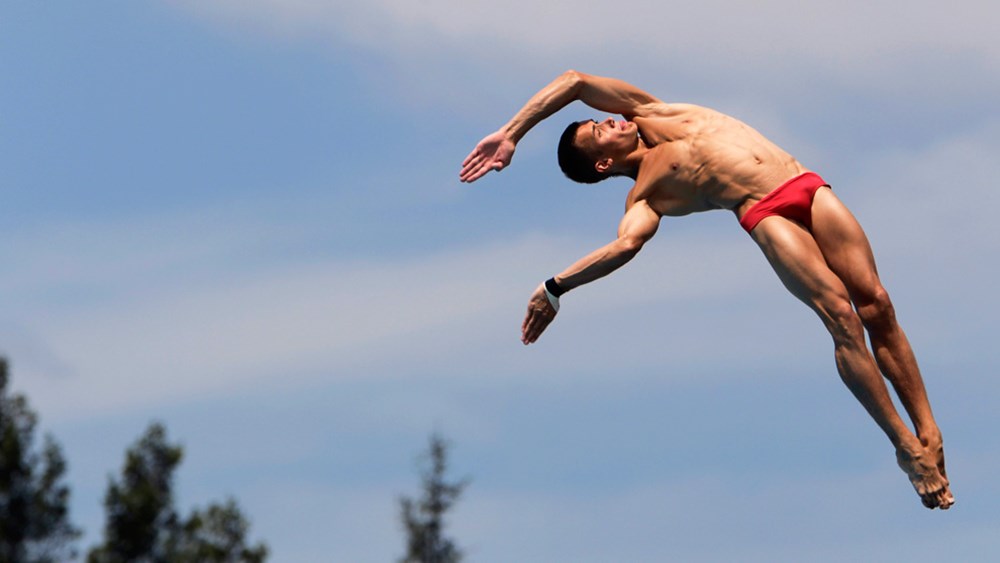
[638, 226]
[610, 95]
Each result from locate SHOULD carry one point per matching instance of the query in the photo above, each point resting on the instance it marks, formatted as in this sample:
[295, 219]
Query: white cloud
[142, 346]
[480, 60]
[142, 334]
[174, 309]
[841, 34]
[122, 316]
[947, 183]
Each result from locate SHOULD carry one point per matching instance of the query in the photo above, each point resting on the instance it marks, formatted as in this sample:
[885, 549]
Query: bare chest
[677, 180]
[704, 160]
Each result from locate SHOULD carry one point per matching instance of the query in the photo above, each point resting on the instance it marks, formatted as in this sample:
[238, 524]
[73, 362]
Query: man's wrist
[552, 292]
[512, 132]
[553, 287]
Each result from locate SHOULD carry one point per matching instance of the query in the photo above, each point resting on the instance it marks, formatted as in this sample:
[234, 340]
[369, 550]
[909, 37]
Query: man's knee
[842, 321]
[876, 310]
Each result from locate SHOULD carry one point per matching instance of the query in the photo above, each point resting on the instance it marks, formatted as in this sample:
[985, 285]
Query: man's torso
[701, 159]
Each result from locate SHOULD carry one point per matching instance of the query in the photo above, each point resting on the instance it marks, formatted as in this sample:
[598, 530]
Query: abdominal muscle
[702, 160]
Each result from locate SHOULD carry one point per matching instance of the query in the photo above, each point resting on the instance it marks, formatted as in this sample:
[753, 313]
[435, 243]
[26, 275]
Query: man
[685, 159]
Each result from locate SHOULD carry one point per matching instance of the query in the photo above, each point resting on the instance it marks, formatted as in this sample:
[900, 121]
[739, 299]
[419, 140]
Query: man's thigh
[844, 245]
[797, 259]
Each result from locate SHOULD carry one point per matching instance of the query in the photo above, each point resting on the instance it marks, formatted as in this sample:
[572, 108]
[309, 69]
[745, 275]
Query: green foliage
[143, 527]
[423, 519]
[216, 535]
[34, 512]
[139, 508]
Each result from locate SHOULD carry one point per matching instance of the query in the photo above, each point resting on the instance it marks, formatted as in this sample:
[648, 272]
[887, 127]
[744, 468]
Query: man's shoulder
[648, 185]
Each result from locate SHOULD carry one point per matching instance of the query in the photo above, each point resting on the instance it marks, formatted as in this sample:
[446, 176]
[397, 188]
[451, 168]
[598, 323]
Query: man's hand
[492, 153]
[540, 314]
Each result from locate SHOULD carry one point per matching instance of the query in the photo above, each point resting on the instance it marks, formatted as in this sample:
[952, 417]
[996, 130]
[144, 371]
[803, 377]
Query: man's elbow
[573, 78]
[630, 246]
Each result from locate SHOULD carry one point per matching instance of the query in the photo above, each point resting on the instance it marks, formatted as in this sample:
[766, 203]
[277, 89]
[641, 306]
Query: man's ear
[604, 165]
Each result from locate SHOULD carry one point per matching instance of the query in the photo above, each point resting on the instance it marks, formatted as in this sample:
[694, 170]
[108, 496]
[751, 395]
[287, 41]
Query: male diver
[685, 159]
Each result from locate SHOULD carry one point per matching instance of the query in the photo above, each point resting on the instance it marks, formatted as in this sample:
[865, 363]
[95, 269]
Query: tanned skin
[686, 159]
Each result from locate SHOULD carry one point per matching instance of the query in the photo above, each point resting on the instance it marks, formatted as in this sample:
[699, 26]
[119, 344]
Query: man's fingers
[469, 158]
[475, 172]
[470, 176]
[480, 170]
[470, 164]
[534, 324]
[529, 331]
[473, 161]
[475, 169]
[536, 329]
[493, 152]
[530, 335]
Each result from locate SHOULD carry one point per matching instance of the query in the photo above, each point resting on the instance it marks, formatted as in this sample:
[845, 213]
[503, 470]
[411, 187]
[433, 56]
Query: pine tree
[217, 535]
[142, 525]
[423, 520]
[140, 518]
[34, 501]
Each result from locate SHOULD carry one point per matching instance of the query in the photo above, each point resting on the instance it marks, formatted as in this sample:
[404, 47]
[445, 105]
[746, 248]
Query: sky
[244, 219]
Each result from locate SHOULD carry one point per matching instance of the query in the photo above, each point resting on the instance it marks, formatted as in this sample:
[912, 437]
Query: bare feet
[935, 448]
[922, 465]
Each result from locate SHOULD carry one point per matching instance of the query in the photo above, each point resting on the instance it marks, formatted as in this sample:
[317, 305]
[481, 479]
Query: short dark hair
[575, 163]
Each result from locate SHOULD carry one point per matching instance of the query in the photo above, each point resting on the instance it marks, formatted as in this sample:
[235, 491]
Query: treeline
[141, 522]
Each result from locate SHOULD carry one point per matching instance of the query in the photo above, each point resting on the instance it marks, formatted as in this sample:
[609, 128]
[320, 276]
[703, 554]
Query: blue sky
[244, 219]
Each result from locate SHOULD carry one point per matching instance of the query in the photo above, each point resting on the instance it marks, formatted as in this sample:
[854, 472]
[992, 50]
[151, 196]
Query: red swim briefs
[791, 200]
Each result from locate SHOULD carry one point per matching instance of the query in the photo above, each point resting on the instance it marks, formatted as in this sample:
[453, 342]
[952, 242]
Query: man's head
[588, 150]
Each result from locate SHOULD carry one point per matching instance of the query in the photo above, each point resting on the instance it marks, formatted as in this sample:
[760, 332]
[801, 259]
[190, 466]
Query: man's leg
[848, 253]
[797, 259]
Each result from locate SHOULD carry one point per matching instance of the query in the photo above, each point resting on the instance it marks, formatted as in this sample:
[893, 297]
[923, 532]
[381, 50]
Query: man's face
[609, 138]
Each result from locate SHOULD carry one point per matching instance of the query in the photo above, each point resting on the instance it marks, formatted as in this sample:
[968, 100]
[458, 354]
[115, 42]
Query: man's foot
[935, 448]
[921, 466]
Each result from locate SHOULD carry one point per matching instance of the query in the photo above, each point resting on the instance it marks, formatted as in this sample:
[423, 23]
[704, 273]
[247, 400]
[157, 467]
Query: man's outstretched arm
[610, 95]
[638, 226]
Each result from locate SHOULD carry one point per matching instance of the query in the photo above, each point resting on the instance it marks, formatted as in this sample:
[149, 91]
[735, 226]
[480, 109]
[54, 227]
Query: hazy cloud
[350, 302]
[838, 34]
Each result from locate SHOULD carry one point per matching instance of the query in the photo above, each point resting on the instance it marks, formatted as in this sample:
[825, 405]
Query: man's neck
[634, 160]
